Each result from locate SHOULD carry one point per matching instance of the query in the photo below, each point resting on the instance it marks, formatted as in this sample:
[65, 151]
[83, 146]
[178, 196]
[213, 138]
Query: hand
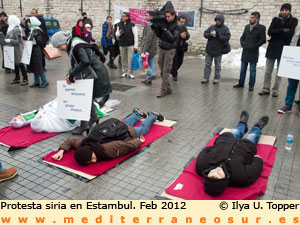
[7, 41]
[59, 155]
[121, 31]
[142, 139]
[68, 80]
[183, 35]
[286, 30]
[212, 34]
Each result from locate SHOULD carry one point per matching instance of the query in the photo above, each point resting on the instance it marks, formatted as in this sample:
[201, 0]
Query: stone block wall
[68, 11]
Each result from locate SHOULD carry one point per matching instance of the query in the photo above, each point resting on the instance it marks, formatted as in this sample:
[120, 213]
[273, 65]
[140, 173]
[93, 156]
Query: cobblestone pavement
[199, 109]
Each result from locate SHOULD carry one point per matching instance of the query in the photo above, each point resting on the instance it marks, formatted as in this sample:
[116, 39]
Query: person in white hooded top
[14, 38]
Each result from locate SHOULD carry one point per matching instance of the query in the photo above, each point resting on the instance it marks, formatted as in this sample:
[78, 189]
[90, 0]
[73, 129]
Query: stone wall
[68, 11]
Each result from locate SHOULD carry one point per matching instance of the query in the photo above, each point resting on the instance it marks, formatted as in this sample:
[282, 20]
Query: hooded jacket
[149, 41]
[281, 32]
[241, 164]
[215, 44]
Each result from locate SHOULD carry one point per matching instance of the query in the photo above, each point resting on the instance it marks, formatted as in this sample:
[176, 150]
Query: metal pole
[109, 9]
[81, 6]
[20, 8]
[201, 11]
[2, 6]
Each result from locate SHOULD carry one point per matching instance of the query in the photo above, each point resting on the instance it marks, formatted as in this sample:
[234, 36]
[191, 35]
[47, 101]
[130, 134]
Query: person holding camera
[168, 31]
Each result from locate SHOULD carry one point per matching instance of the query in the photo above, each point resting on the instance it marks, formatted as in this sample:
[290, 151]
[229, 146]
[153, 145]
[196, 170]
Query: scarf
[13, 21]
[78, 31]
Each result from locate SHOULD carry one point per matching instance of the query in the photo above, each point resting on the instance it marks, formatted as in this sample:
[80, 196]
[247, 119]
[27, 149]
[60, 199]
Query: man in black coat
[232, 160]
[281, 32]
[253, 37]
[217, 35]
[181, 48]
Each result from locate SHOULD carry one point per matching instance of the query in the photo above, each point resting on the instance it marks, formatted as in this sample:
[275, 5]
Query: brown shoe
[169, 91]
[263, 92]
[161, 95]
[275, 94]
[7, 174]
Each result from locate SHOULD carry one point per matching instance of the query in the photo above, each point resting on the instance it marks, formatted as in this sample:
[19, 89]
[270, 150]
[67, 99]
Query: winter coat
[215, 45]
[149, 41]
[15, 37]
[279, 38]
[81, 32]
[128, 37]
[89, 37]
[181, 44]
[113, 149]
[251, 41]
[104, 41]
[242, 166]
[3, 27]
[44, 29]
[85, 56]
[296, 38]
[36, 60]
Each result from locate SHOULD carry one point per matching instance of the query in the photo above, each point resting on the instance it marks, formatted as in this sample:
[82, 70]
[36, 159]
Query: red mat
[156, 132]
[189, 185]
[22, 137]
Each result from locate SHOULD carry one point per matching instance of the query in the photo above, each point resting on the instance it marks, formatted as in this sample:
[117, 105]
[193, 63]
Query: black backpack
[110, 130]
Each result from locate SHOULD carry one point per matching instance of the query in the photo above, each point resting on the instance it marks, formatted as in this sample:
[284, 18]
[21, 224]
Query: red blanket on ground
[22, 137]
[189, 185]
[156, 132]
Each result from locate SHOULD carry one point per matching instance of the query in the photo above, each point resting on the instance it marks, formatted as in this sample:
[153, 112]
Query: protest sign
[9, 57]
[27, 50]
[290, 63]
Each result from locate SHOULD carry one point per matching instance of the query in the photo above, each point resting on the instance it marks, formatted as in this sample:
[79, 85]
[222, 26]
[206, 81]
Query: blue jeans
[290, 92]
[0, 167]
[150, 73]
[243, 72]
[241, 129]
[43, 78]
[143, 129]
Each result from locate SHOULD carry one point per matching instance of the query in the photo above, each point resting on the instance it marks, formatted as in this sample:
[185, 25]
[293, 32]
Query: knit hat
[60, 38]
[287, 6]
[213, 186]
[88, 25]
[83, 155]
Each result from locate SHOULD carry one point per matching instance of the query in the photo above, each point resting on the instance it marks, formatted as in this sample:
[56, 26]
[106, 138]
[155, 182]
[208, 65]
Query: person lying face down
[91, 149]
[232, 160]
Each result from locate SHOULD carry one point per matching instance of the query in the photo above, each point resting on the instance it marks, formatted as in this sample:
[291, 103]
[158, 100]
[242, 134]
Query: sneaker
[204, 81]
[251, 88]
[297, 102]
[112, 66]
[7, 174]
[263, 92]
[131, 76]
[238, 85]
[138, 111]
[24, 83]
[284, 109]
[262, 122]
[161, 95]
[44, 85]
[159, 116]
[275, 94]
[175, 79]
[244, 117]
[34, 85]
[124, 75]
[15, 82]
[216, 81]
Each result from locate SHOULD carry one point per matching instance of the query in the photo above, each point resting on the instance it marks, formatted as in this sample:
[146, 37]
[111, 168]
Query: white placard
[27, 50]
[75, 100]
[290, 62]
[9, 57]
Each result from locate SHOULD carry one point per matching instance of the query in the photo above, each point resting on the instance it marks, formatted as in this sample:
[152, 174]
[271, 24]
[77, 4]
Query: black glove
[71, 78]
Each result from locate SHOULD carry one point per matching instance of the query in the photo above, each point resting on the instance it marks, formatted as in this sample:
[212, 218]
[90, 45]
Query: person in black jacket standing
[253, 37]
[168, 33]
[181, 48]
[281, 32]
[232, 160]
[217, 35]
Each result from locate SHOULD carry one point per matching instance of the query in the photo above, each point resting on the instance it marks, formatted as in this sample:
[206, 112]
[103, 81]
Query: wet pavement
[199, 110]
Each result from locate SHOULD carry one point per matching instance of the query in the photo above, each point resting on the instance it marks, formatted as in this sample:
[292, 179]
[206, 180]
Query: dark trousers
[291, 92]
[21, 67]
[177, 62]
[109, 49]
[243, 72]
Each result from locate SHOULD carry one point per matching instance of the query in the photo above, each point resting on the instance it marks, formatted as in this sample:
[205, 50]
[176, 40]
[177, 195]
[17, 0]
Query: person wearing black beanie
[281, 31]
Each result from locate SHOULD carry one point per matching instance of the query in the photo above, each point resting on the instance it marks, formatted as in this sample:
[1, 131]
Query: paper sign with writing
[27, 50]
[75, 100]
[9, 57]
[290, 62]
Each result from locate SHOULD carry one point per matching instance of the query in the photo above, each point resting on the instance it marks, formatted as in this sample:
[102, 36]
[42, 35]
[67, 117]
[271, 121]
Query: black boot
[84, 127]
[94, 117]
[244, 117]
[159, 116]
[138, 111]
[262, 122]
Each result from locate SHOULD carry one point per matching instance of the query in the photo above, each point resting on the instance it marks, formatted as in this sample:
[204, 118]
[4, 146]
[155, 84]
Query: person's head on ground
[3, 16]
[181, 21]
[285, 10]
[88, 27]
[60, 40]
[34, 12]
[125, 17]
[80, 23]
[149, 15]
[109, 19]
[84, 15]
[254, 18]
[170, 15]
[219, 19]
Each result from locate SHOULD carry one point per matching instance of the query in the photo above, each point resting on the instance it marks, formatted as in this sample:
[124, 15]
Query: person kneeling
[110, 139]
[232, 160]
